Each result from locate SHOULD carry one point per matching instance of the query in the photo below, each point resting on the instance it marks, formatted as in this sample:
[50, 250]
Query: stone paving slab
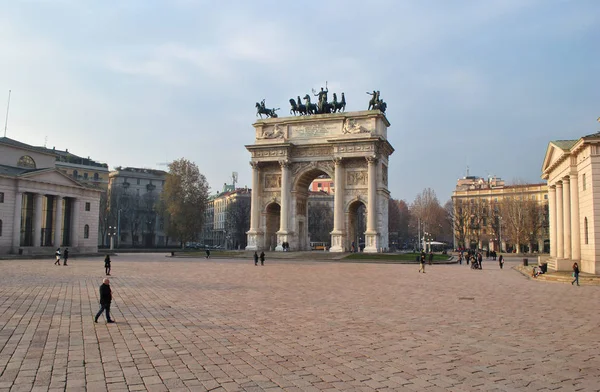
[226, 325]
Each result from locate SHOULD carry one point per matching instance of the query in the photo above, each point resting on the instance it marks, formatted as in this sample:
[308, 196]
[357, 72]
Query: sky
[478, 84]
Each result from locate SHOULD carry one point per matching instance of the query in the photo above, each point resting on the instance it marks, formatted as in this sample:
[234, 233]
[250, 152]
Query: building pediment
[52, 176]
[555, 153]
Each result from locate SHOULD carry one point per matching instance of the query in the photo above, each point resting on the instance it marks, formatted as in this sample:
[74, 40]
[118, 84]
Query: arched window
[26, 161]
[585, 230]
[86, 231]
[0, 227]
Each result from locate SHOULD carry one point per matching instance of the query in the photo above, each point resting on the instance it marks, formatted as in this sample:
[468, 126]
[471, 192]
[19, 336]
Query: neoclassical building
[40, 207]
[572, 168]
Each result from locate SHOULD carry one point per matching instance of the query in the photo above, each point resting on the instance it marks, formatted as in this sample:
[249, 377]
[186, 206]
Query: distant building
[84, 170]
[41, 208]
[322, 183]
[571, 167]
[227, 218]
[478, 221]
[134, 195]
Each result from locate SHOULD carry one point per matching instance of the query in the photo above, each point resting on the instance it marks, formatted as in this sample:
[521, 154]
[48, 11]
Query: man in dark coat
[105, 300]
[65, 256]
[262, 258]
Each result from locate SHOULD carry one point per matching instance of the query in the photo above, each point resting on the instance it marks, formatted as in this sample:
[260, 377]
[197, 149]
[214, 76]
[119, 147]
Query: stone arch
[356, 224]
[306, 175]
[272, 216]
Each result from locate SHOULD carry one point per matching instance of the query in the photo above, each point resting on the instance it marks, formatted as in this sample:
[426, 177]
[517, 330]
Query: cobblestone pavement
[226, 325]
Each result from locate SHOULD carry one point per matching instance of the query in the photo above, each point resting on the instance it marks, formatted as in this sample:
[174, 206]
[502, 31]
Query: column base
[371, 242]
[337, 241]
[282, 236]
[255, 239]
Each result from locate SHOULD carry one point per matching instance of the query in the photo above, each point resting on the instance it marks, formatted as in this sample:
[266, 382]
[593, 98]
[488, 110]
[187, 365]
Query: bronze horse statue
[338, 106]
[261, 109]
[299, 108]
[311, 108]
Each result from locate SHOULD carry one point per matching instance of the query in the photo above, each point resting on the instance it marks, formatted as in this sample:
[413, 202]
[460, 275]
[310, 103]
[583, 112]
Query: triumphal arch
[290, 152]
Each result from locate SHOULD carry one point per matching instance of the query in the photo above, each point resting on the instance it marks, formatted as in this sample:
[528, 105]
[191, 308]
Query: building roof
[564, 144]
[14, 143]
[14, 171]
[139, 170]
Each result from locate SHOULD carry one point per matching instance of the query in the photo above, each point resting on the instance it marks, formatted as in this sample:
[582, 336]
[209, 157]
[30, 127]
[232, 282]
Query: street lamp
[500, 242]
[112, 231]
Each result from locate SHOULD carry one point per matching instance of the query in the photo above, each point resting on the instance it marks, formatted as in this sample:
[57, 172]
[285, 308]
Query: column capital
[566, 179]
[254, 165]
[371, 159]
[559, 184]
[573, 176]
[552, 188]
[337, 161]
[285, 164]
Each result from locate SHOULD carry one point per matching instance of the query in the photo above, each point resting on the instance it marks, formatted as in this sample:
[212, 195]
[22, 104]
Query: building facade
[41, 208]
[490, 215]
[572, 169]
[134, 196]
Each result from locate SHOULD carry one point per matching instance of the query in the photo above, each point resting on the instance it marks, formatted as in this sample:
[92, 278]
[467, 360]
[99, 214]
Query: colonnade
[38, 217]
[338, 234]
[563, 205]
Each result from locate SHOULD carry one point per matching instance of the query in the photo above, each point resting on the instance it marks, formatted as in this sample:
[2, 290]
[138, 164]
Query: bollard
[525, 262]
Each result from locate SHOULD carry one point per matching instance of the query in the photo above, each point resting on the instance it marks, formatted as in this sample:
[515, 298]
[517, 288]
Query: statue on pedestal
[261, 109]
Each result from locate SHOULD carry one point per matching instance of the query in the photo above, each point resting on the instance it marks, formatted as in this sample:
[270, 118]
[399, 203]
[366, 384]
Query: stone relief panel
[384, 174]
[309, 152]
[270, 195]
[275, 132]
[354, 148]
[352, 126]
[314, 130]
[326, 166]
[272, 181]
[270, 153]
[356, 178]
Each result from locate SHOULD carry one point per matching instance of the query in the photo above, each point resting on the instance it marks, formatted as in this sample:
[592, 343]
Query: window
[583, 182]
[96, 177]
[585, 230]
[0, 227]
[75, 174]
[85, 176]
[86, 231]
[138, 181]
[546, 196]
[26, 161]
[1, 197]
[87, 206]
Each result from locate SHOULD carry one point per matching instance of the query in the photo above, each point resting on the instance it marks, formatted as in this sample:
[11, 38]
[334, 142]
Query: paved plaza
[226, 325]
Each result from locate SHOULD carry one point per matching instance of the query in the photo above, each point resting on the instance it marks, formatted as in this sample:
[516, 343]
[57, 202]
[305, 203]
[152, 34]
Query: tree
[399, 217]
[514, 217]
[185, 196]
[427, 211]
[320, 221]
[104, 216]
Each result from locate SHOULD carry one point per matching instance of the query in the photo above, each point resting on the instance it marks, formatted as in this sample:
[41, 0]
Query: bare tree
[514, 217]
[427, 211]
[104, 216]
[320, 221]
[185, 195]
[238, 221]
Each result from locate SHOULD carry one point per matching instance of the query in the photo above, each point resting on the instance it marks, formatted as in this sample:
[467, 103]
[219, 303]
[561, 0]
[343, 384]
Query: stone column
[17, 222]
[337, 235]
[575, 229]
[560, 239]
[37, 220]
[58, 222]
[282, 234]
[567, 217]
[253, 235]
[552, 218]
[75, 222]
[371, 244]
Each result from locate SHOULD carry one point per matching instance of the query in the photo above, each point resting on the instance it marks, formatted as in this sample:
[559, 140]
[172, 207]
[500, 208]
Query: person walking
[430, 256]
[107, 265]
[422, 262]
[460, 258]
[501, 261]
[57, 254]
[66, 256]
[207, 253]
[262, 258]
[575, 274]
[105, 300]
[255, 258]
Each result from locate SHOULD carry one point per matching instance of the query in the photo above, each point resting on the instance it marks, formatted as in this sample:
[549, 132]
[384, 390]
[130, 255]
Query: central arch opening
[313, 193]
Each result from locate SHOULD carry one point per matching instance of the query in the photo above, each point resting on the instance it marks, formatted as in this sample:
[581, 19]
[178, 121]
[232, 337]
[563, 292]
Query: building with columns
[41, 208]
[572, 169]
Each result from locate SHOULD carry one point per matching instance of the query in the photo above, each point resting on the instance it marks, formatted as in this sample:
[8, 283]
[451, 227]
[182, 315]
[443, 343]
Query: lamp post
[500, 241]
[111, 234]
